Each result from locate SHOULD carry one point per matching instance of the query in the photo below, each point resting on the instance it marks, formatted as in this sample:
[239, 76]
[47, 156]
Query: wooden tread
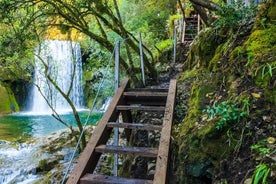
[137, 126]
[140, 151]
[150, 98]
[146, 94]
[102, 179]
[140, 108]
[147, 89]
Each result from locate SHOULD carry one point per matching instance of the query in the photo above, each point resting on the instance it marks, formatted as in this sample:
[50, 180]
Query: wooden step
[140, 151]
[137, 126]
[189, 39]
[146, 98]
[140, 108]
[147, 90]
[146, 94]
[102, 179]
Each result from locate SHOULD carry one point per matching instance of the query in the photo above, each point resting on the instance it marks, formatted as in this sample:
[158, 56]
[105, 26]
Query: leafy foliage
[17, 42]
[234, 14]
[260, 174]
[265, 150]
[225, 112]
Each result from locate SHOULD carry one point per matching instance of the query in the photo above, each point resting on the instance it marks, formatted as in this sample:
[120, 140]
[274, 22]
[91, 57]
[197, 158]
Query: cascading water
[63, 60]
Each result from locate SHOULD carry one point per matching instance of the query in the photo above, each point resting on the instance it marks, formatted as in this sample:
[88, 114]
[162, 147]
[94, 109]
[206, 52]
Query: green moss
[266, 15]
[213, 65]
[261, 46]
[238, 54]
[88, 75]
[272, 11]
[198, 98]
[8, 103]
[262, 80]
[261, 49]
[189, 74]
[202, 51]
[270, 95]
[4, 98]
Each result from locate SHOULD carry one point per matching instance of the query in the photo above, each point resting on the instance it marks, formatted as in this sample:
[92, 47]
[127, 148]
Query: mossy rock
[271, 14]
[198, 100]
[261, 49]
[46, 165]
[203, 49]
[8, 103]
[266, 14]
[216, 60]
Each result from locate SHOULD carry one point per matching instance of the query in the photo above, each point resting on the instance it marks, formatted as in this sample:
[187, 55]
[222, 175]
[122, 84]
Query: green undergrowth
[232, 91]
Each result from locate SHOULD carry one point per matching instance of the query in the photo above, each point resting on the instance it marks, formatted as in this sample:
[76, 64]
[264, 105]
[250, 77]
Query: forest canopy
[97, 24]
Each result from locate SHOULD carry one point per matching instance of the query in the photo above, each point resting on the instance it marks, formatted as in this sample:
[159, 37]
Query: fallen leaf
[271, 140]
[256, 95]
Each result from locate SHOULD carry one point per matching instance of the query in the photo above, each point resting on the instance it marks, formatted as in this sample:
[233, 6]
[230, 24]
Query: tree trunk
[207, 4]
[202, 12]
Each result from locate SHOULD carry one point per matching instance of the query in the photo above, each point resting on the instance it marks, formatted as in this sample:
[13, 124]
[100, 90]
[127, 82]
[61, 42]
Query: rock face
[225, 117]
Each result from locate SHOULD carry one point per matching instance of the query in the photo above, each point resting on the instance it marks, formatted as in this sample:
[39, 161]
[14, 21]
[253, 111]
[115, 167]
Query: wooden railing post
[142, 59]
[174, 45]
[116, 86]
[198, 23]
[183, 31]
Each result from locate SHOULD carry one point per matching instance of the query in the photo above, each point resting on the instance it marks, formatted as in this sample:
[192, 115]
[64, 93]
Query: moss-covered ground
[225, 126]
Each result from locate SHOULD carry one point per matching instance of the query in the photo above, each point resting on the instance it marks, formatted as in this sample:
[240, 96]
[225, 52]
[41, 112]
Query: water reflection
[19, 127]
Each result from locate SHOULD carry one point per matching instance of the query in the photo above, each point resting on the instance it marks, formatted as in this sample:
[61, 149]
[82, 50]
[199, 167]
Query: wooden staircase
[191, 28]
[124, 102]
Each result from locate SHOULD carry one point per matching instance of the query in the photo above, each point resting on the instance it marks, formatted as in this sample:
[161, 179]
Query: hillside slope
[225, 125]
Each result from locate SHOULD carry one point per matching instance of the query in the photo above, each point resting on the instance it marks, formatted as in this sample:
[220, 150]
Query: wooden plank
[164, 144]
[148, 89]
[140, 108]
[146, 101]
[89, 158]
[102, 179]
[146, 94]
[137, 126]
[140, 151]
[146, 98]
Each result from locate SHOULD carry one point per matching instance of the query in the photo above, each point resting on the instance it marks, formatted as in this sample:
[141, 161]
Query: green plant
[260, 174]
[234, 14]
[266, 68]
[260, 149]
[225, 112]
[266, 149]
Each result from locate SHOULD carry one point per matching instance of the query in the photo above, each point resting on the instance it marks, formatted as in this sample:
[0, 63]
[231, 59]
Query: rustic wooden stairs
[191, 28]
[125, 101]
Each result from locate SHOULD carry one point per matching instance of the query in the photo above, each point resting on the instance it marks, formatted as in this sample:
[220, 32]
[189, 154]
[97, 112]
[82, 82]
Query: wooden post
[198, 23]
[117, 61]
[116, 86]
[183, 31]
[142, 59]
[174, 45]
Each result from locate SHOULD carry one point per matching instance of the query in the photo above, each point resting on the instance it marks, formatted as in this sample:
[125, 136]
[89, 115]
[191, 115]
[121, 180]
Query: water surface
[20, 141]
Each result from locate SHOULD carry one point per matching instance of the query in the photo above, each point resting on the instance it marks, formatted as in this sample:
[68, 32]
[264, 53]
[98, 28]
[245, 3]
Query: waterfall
[60, 57]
